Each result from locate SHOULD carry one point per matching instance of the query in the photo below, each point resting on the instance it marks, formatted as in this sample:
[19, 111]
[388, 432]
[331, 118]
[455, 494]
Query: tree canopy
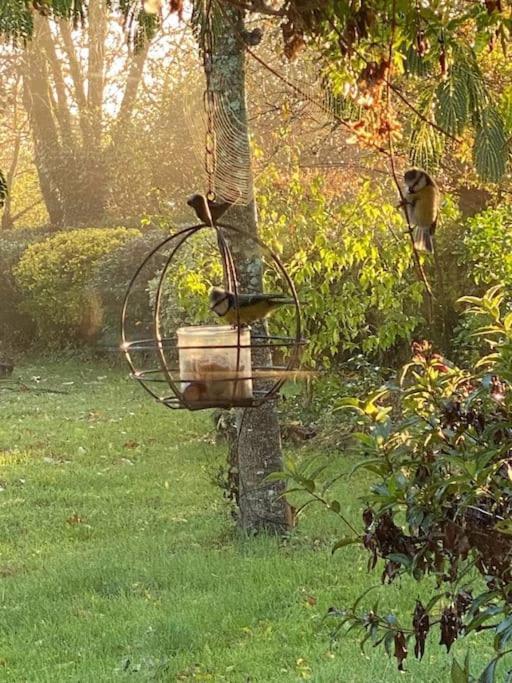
[431, 75]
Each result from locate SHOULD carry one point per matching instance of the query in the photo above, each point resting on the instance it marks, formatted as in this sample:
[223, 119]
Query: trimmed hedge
[55, 278]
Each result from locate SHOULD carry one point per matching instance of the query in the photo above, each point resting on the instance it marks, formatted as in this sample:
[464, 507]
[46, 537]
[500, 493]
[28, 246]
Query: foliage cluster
[436, 52]
[350, 263]
[112, 274]
[55, 280]
[488, 246]
[349, 259]
[438, 444]
[195, 269]
[484, 259]
[15, 326]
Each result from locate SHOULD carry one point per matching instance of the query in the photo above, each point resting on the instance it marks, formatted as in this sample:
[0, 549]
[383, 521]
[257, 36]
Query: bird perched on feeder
[207, 210]
[421, 202]
[251, 307]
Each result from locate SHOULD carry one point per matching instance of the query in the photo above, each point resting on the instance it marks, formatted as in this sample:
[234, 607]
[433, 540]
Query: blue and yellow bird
[251, 307]
[421, 201]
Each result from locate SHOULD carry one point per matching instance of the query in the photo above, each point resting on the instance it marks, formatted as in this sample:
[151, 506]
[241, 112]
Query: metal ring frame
[162, 344]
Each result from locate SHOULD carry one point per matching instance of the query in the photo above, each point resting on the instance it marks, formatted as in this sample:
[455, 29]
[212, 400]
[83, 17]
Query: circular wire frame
[266, 379]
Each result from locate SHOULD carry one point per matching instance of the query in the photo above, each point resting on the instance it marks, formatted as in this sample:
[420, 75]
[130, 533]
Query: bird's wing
[248, 299]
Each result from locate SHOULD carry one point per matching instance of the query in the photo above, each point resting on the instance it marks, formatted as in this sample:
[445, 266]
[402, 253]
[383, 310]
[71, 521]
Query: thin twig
[417, 259]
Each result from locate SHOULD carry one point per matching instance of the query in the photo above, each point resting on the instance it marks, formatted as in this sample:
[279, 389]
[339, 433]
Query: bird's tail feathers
[279, 299]
[423, 239]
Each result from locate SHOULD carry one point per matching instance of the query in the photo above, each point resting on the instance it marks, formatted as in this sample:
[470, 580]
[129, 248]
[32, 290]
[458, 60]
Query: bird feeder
[196, 364]
[213, 364]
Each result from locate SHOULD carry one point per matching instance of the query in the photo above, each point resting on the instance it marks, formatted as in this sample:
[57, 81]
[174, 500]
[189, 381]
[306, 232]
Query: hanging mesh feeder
[178, 353]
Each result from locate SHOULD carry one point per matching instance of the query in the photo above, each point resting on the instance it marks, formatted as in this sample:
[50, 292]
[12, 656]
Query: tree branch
[135, 70]
[76, 77]
[417, 259]
[62, 107]
[95, 68]
[28, 208]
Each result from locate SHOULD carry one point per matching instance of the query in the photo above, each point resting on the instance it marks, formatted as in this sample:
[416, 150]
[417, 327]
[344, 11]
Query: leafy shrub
[55, 278]
[313, 405]
[184, 294]
[350, 262]
[16, 327]
[488, 244]
[487, 260]
[112, 275]
[441, 505]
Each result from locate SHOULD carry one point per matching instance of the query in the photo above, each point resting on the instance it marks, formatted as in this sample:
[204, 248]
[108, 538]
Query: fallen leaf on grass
[76, 519]
[131, 444]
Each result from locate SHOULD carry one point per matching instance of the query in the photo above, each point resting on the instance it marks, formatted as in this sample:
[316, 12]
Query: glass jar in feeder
[215, 363]
[173, 349]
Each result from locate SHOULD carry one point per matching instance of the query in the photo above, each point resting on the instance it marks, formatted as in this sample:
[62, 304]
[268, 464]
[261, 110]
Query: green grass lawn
[118, 557]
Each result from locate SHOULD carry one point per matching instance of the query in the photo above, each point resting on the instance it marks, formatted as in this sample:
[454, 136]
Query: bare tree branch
[62, 106]
[76, 76]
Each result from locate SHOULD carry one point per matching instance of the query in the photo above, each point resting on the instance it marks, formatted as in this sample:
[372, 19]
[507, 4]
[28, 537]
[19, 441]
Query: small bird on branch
[421, 202]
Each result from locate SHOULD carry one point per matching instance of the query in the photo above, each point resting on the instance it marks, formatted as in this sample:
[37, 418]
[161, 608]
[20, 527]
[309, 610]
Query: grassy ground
[118, 558]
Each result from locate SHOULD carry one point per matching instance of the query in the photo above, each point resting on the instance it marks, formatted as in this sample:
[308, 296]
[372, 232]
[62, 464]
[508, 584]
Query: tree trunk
[7, 218]
[259, 440]
[36, 99]
[135, 68]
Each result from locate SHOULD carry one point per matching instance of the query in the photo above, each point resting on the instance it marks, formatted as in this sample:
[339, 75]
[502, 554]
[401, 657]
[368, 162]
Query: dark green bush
[16, 327]
[112, 275]
[56, 280]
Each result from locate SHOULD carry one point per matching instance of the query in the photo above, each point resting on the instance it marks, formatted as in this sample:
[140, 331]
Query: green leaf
[452, 109]
[343, 542]
[372, 465]
[389, 642]
[490, 150]
[503, 633]
[505, 526]
[335, 505]
[488, 675]
[362, 595]
[400, 558]
[426, 143]
[472, 76]
[309, 485]
[276, 476]
[345, 403]
[458, 674]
